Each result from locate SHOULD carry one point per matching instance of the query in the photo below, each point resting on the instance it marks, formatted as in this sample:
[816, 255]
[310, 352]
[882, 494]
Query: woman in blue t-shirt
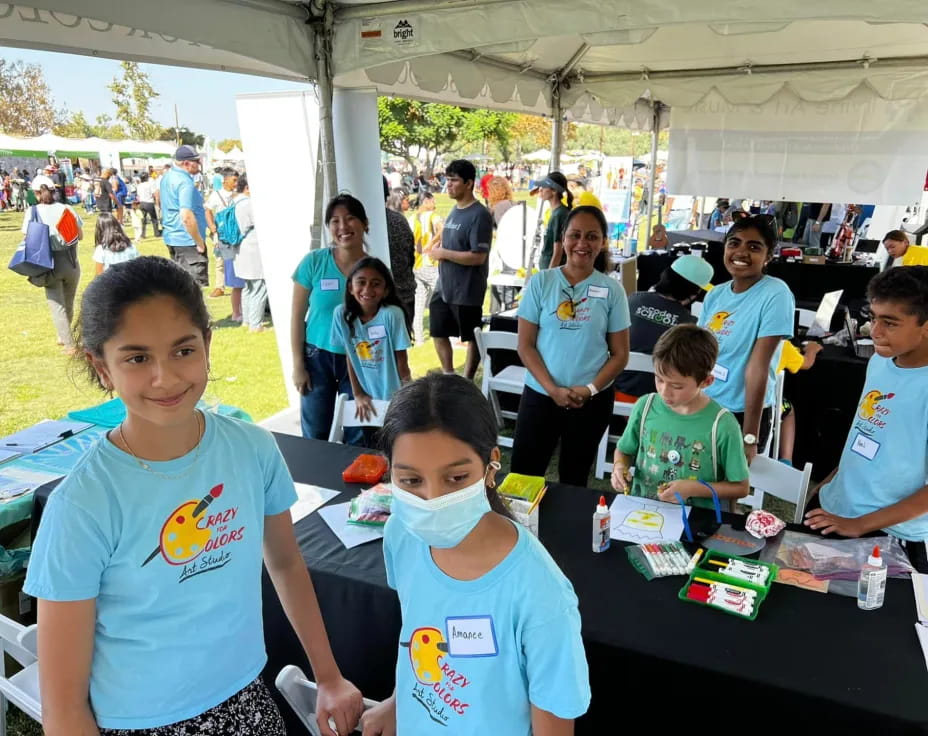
[573, 339]
[750, 316]
[147, 563]
[320, 371]
[490, 641]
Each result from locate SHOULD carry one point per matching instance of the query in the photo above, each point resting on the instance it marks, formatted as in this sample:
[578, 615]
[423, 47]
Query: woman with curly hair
[500, 199]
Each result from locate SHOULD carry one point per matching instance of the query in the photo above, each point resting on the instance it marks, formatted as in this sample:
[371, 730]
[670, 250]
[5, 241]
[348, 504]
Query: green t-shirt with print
[679, 447]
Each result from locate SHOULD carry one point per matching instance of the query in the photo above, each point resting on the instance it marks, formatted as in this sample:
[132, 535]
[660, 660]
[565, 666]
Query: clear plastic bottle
[871, 585]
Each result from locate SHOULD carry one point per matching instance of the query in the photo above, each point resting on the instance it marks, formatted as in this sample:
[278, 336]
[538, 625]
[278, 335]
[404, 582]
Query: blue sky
[205, 99]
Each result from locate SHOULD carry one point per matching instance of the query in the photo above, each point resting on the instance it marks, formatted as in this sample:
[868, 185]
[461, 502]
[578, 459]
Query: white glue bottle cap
[602, 508]
[875, 559]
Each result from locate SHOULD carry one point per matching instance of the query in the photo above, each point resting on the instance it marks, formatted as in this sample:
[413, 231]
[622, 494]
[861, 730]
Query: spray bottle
[872, 582]
[601, 526]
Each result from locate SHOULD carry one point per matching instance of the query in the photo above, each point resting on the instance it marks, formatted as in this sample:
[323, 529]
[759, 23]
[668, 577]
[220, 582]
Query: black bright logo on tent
[403, 31]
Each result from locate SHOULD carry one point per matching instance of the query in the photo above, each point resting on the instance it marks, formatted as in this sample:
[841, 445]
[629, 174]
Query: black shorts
[453, 320]
[192, 261]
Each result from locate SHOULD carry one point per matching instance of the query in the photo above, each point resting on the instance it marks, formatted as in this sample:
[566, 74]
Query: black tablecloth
[809, 662]
[809, 658]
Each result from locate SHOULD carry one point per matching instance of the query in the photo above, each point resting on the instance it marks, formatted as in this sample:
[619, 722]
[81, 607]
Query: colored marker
[649, 558]
[694, 560]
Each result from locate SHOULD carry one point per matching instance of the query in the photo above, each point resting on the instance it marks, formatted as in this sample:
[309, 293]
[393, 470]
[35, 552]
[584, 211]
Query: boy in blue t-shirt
[679, 440]
[881, 482]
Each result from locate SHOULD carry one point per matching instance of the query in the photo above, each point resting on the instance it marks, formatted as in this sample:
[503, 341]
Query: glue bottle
[601, 526]
[872, 582]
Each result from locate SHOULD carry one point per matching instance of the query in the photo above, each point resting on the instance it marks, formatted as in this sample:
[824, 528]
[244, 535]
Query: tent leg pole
[326, 128]
[557, 128]
[652, 197]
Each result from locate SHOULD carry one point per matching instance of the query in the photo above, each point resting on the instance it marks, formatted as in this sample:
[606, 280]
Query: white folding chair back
[772, 448]
[510, 380]
[806, 317]
[21, 689]
[344, 416]
[696, 309]
[636, 362]
[782, 481]
[301, 694]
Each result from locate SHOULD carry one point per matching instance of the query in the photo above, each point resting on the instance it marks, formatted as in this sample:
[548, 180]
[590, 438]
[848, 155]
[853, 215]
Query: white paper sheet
[636, 519]
[922, 631]
[920, 586]
[348, 534]
[309, 498]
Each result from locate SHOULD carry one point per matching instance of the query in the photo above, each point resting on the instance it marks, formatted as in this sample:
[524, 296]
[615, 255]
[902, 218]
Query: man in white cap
[654, 312]
[183, 215]
[43, 180]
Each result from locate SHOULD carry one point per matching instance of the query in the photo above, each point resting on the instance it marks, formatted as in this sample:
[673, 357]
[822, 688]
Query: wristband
[592, 388]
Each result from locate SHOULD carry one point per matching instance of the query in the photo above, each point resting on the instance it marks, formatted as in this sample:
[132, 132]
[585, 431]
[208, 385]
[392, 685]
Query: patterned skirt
[250, 712]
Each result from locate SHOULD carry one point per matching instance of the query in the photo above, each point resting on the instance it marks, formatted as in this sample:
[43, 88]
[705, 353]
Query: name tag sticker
[865, 446]
[720, 372]
[329, 284]
[376, 332]
[471, 636]
[598, 292]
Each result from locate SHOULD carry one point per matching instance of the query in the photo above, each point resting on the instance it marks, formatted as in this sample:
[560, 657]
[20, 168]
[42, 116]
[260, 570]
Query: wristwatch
[750, 439]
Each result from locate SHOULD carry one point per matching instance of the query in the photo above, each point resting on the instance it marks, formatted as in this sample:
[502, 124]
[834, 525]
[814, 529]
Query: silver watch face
[750, 439]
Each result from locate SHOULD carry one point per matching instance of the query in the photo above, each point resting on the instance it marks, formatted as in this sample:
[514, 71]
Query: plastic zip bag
[372, 507]
[836, 559]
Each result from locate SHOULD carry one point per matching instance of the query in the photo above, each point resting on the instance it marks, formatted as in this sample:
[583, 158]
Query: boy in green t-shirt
[678, 439]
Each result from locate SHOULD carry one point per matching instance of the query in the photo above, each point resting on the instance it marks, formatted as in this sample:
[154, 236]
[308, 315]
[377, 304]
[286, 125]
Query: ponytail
[570, 199]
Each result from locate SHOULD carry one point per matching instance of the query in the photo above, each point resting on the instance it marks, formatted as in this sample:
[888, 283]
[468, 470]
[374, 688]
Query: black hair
[109, 234]
[601, 263]
[352, 308]
[107, 297]
[424, 196]
[463, 168]
[352, 204]
[673, 285]
[386, 187]
[558, 178]
[242, 184]
[446, 403]
[762, 224]
[896, 235]
[143, 176]
[904, 285]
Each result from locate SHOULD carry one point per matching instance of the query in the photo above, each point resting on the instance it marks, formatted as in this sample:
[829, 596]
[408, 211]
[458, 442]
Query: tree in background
[132, 96]
[612, 141]
[187, 137]
[77, 126]
[26, 105]
[228, 144]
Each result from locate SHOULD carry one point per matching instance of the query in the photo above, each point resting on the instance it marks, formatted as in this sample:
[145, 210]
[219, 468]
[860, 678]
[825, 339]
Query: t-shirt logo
[439, 687]
[570, 312]
[873, 412]
[720, 323]
[189, 532]
[368, 353]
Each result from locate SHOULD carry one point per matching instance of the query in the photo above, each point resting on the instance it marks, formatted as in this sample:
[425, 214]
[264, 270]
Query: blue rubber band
[715, 500]
[686, 521]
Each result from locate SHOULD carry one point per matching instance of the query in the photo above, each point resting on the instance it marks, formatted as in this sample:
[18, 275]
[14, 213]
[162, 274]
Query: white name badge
[720, 372]
[376, 332]
[471, 636]
[329, 284]
[598, 292]
[865, 446]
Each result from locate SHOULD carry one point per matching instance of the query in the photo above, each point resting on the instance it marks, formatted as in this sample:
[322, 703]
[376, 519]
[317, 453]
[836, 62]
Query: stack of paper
[309, 498]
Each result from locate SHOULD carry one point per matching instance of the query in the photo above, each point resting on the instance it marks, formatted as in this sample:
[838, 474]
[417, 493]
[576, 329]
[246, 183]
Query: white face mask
[442, 522]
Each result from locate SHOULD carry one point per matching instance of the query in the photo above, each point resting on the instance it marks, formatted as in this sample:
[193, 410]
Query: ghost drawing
[642, 524]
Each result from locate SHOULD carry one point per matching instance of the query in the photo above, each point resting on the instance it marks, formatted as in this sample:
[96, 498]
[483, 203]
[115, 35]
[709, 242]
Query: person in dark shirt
[654, 312]
[104, 199]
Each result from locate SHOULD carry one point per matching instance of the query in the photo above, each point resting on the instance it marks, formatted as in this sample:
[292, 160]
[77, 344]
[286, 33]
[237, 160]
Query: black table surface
[809, 658]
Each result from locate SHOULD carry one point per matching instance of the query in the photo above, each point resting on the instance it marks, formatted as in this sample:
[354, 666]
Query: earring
[495, 465]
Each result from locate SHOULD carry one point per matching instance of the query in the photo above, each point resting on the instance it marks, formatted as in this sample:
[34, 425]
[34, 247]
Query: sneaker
[217, 292]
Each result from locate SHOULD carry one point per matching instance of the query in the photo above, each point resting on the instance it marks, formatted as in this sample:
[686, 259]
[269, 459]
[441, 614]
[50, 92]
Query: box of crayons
[522, 494]
[731, 584]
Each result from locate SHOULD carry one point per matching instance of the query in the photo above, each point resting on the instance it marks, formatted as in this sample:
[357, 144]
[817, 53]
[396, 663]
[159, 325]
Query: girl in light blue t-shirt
[490, 640]
[112, 245]
[371, 328]
[147, 563]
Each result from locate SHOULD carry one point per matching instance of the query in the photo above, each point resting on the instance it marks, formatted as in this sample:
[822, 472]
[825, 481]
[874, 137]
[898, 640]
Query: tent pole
[557, 123]
[323, 43]
[652, 198]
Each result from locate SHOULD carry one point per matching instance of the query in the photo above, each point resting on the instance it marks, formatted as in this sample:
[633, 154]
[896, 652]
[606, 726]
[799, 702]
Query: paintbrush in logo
[180, 540]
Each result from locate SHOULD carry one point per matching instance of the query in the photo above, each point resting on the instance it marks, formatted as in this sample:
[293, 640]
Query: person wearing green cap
[654, 312]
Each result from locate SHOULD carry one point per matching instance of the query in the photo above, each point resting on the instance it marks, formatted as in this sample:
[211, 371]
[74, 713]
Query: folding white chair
[806, 317]
[21, 689]
[344, 417]
[510, 380]
[636, 362]
[301, 693]
[772, 448]
[783, 481]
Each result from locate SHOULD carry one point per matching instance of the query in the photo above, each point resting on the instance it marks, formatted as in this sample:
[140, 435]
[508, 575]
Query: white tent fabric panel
[266, 37]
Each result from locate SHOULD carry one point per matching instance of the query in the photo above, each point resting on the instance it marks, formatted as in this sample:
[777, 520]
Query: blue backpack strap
[686, 520]
[715, 501]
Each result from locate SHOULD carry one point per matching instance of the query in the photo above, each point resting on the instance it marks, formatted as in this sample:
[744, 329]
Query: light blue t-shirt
[177, 583]
[573, 322]
[319, 275]
[737, 321]
[475, 655]
[885, 458]
[371, 347]
[179, 191]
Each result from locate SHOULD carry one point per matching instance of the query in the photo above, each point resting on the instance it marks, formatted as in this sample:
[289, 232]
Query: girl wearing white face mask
[490, 641]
